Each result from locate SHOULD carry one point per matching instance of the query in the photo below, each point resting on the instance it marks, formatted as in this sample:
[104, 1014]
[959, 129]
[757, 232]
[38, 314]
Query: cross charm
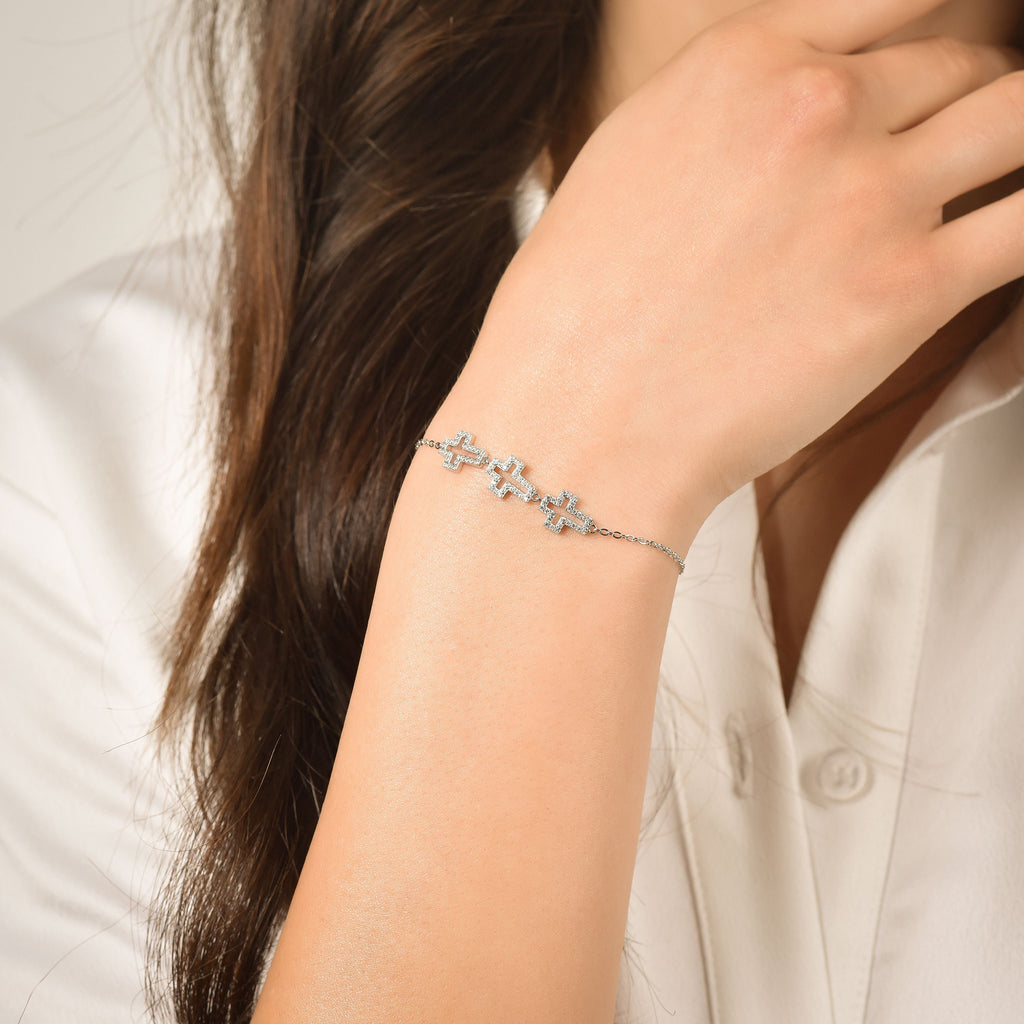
[517, 484]
[459, 449]
[557, 513]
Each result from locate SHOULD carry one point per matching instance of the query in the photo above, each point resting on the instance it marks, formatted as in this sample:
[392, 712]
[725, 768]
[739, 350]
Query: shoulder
[102, 485]
[101, 388]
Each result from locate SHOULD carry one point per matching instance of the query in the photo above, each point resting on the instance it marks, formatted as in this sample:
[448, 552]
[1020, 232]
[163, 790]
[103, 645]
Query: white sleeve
[100, 503]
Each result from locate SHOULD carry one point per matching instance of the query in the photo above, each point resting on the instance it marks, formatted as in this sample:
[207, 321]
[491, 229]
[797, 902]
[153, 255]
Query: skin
[474, 856]
[801, 534]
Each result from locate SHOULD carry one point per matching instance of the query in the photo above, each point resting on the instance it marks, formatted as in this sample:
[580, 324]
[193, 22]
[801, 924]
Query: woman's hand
[748, 245]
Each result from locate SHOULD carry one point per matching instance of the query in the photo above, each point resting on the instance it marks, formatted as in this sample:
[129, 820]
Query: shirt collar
[991, 376]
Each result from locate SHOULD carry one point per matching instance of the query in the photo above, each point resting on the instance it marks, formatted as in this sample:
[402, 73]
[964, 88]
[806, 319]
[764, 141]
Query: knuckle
[819, 99]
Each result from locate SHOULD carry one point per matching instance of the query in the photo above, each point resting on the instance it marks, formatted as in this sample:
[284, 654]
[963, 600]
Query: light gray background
[84, 171]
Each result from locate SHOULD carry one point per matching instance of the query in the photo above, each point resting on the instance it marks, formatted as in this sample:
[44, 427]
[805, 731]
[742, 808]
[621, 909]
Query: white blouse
[857, 859]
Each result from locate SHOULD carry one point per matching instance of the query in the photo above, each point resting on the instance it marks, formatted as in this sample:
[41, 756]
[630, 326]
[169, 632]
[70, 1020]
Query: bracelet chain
[507, 478]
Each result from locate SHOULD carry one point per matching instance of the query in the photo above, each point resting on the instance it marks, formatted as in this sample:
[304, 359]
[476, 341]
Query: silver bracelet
[506, 477]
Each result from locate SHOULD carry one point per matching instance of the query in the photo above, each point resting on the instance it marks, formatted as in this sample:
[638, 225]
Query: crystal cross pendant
[459, 449]
[562, 511]
[516, 483]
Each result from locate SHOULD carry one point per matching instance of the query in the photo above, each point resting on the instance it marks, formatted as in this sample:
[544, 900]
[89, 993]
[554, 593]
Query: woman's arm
[475, 852]
[686, 314]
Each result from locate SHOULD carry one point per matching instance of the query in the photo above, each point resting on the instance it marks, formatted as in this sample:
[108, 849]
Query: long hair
[369, 225]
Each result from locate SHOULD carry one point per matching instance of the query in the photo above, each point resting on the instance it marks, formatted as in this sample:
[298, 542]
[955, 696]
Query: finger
[842, 26]
[909, 82]
[981, 251]
[977, 139]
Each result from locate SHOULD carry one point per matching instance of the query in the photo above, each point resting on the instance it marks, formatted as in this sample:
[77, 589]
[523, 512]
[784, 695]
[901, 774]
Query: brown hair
[370, 222]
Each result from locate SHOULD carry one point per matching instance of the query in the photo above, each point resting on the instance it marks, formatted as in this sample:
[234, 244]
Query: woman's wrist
[568, 458]
[506, 478]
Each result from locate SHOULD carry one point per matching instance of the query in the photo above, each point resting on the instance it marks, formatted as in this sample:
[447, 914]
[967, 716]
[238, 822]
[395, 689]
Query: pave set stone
[506, 477]
[459, 451]
[562, 511]
[559, 512]
[517, 485]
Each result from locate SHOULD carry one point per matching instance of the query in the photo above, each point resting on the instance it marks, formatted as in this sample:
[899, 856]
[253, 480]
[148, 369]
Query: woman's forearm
[475, 853]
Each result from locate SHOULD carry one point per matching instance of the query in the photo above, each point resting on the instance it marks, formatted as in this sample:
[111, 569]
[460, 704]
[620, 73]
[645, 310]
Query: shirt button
[843, 775]
[741, 756]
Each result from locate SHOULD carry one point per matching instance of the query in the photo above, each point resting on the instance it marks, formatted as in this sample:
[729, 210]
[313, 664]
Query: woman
[740, 304]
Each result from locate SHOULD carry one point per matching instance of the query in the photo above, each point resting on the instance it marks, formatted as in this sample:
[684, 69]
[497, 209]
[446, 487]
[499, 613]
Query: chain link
[643, 541]
[443, 446]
